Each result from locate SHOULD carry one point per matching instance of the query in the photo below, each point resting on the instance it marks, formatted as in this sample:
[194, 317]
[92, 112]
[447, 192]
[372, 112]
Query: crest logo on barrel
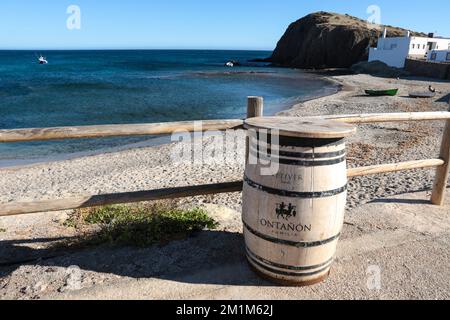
[285, 212]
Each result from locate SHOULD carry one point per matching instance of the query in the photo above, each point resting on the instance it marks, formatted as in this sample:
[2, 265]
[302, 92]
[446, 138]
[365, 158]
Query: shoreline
[22, 163]
[151, 142]
[125, 169]
[339, 87]
[151, 168]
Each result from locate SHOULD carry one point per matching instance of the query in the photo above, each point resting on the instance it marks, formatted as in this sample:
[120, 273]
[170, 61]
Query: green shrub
[138, 225]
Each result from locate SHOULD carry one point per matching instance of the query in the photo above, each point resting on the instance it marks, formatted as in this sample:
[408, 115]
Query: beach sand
[153, 168]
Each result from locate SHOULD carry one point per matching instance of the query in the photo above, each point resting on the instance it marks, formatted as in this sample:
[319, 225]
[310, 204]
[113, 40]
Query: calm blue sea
[114, 87]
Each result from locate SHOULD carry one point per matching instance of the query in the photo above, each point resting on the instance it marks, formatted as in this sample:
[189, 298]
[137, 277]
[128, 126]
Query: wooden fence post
[442, 172]
[255, 108]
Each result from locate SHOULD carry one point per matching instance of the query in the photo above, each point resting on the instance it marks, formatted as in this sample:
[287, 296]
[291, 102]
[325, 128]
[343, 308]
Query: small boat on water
[422, 94]
[232, 63]
[42, 60]
[378, 93]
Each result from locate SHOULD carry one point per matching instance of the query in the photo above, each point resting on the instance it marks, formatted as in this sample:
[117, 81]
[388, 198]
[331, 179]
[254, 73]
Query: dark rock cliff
[328, 40]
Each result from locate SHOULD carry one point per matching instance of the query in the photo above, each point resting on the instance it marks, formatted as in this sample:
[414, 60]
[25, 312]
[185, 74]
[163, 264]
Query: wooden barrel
[293, 216]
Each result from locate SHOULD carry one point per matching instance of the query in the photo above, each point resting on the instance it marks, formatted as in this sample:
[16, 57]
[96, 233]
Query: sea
[79, 88]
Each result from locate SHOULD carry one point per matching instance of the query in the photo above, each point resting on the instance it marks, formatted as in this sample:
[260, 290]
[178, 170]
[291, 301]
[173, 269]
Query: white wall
[442, 44]
[390, 57]
[392, 43]
[418, 47]
[441, 56]
[392, 51]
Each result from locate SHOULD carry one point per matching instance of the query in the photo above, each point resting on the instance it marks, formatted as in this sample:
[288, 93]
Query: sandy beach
[153, 168]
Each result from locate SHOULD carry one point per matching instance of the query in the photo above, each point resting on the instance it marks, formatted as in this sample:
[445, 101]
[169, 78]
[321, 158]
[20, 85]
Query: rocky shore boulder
[379, 69]
[328, 40]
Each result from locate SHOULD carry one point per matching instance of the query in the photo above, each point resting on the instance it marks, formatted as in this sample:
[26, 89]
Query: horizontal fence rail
[394, 167]
[102, 131]
[386, 117]
[86, 201]
[255, 108]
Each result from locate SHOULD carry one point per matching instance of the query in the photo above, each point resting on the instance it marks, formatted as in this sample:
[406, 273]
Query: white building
[394, 51]
[439, 56]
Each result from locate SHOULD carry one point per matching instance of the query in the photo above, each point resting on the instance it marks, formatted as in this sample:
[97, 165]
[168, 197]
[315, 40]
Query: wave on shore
[102, 87]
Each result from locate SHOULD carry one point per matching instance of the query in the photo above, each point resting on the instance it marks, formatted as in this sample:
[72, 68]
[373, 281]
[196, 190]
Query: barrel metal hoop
[284, 273]
[323, 155]
[292, 162]
[291, 243]
[302, 163]
[282, 266]
[285, 141]
[294, 194]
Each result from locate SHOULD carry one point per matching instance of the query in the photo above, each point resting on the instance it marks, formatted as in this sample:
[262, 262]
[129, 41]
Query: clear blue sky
[206, 24]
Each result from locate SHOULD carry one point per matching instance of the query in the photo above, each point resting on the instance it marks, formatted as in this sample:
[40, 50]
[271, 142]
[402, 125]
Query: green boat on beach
[389, 92]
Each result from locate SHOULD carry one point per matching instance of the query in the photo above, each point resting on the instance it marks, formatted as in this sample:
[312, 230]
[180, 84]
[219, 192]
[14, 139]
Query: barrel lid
[298, 127]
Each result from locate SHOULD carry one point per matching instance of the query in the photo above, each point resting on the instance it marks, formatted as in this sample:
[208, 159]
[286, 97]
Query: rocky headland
[329, 40]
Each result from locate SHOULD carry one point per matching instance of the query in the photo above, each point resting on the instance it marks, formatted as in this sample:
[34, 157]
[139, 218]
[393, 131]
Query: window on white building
[414, 46]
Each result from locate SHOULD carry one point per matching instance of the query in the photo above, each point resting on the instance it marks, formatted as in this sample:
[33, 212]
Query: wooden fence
[254, 109]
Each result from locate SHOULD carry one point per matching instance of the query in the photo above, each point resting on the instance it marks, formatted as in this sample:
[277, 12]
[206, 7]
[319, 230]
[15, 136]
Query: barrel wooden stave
[297, 257]
[319, 163]
[291, 273]
[256, 208]
[290, 255]
[289, 178]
